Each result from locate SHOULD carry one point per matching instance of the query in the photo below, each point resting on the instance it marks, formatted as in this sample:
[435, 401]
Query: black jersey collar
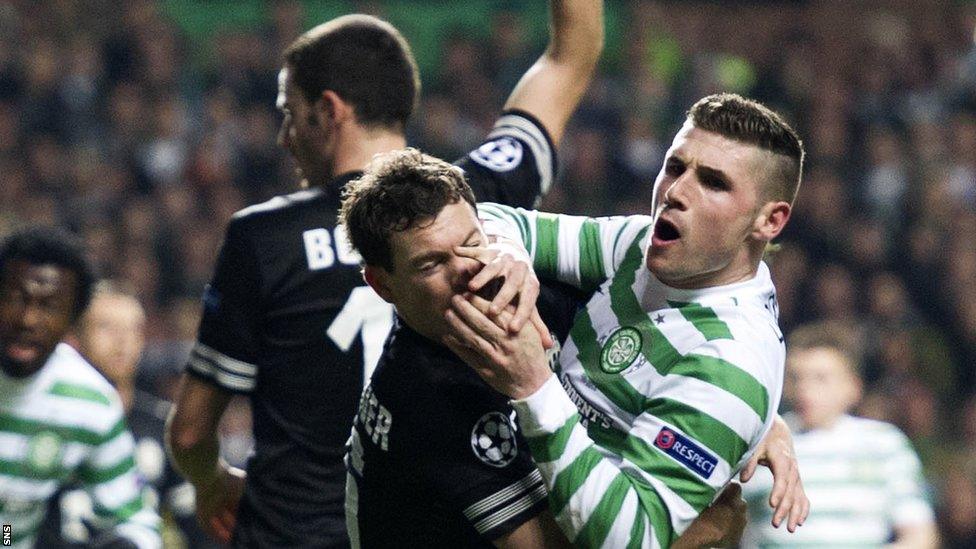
[334, 187]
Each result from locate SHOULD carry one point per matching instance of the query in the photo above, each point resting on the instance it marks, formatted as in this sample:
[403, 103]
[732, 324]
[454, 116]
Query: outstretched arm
[553, 86]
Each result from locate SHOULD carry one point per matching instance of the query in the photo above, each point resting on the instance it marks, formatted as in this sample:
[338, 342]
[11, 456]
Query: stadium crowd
[113, 122]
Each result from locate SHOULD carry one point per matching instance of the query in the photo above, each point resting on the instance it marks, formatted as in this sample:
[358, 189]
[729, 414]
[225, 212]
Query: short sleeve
[486, 472]
[515, 165]
[906, 484]
[227, 346]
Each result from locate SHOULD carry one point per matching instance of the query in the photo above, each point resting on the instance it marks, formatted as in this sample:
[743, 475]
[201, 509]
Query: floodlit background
[143, 125]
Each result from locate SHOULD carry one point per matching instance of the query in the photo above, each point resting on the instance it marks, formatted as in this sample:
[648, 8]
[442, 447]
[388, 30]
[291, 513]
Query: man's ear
[379, 280]
[333, 109]
[771, 220]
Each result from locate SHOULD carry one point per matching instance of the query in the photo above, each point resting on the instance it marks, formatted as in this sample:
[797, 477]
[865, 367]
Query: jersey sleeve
[907, 501]
[515, 165]
[689, 434]
[110, 477]
[580, 251]
[490, 478]
[226, 349]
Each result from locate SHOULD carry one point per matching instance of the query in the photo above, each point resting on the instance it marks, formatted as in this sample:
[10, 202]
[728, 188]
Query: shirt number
[366, 313]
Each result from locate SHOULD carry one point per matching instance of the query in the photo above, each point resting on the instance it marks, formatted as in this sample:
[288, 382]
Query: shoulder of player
[80, 393]
[881, 433]
[278, 205]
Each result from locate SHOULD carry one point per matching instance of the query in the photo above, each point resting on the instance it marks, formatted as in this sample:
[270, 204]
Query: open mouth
[665, 231]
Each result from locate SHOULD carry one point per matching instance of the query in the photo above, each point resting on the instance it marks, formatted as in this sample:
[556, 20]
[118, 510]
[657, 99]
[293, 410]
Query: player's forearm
[191, 430]
[576, 34]
[592, 499]
[552, 87]
[195, 455]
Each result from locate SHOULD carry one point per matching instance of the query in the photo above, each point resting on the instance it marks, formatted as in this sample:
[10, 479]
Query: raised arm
[553, 86]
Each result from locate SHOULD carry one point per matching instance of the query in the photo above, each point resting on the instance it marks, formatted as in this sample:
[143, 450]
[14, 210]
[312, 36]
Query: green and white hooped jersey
[65, 423]
[660, 395]
[864, 481]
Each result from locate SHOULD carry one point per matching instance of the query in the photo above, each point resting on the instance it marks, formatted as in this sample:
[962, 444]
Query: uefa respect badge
[621, 349]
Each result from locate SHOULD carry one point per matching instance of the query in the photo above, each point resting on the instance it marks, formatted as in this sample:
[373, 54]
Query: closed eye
[674, 168]
[716, 183]
[714, 179]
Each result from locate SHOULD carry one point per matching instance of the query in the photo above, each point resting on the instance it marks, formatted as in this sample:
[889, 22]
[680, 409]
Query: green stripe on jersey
[98, 476]
[657, 513]
[80, 392]
[592, 271]
[546, 448]
[31, 427]
[687, 485]
[123, 512]
[637, 533]
[547, 249]
[22, 469]
[704, 320]
[701, 427]
[727, 376]
[594, 532]
[572, 477]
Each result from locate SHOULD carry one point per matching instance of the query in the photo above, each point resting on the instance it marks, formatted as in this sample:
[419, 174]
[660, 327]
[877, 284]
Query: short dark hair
[399, 190]
[364, 60]
[52, 246]
[747, 121]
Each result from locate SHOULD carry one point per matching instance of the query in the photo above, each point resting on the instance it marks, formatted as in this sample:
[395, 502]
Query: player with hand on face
[287, 319]
[60, 420]
[435, 459]
[673, 371]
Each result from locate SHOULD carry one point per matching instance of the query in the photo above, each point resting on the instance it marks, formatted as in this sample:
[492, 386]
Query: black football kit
[288, 321]
[436, 458]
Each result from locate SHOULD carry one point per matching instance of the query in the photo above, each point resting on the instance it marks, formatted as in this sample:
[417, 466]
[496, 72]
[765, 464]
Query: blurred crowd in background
[143, 126]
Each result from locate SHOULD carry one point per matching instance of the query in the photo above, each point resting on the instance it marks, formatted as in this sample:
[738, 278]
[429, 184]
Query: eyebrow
[705, 171]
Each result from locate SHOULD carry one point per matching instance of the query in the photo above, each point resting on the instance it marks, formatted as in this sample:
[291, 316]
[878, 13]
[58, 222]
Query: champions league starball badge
[493, 439]
[500, 155]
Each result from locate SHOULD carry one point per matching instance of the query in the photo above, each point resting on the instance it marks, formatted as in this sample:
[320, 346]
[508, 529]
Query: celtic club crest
[620, 350]
[44, 453]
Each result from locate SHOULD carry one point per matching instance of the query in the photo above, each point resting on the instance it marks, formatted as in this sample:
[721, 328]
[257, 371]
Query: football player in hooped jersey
[435, 458]
[60, 420]
[287, 319]
[673, 371]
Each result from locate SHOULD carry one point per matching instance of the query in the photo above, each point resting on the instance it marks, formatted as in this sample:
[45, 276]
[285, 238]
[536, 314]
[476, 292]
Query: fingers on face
[487, 274]
[480, 253]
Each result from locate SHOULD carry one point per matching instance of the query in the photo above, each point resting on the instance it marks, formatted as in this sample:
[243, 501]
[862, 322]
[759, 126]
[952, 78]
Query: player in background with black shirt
[287, 319]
